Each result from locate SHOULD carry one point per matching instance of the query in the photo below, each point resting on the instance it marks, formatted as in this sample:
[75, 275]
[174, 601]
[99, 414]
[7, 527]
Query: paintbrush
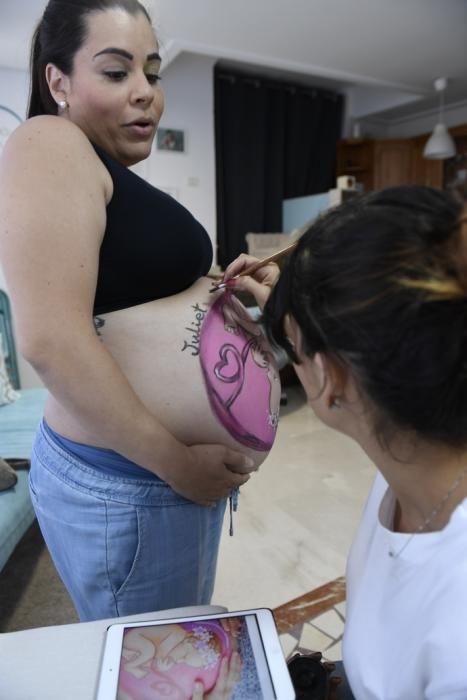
[256, 266]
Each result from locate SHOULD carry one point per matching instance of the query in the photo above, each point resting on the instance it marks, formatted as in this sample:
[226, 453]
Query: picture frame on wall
[171, 140]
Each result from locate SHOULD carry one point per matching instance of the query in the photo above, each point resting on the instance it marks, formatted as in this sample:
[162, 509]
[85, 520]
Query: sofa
[18, 421]
[20, 412]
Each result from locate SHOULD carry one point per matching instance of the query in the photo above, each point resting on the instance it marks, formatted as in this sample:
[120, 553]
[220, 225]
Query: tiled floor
[314, 622]
[294, 526]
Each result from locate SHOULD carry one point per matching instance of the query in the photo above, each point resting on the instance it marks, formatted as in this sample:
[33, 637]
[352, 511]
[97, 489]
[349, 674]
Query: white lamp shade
[440, 145]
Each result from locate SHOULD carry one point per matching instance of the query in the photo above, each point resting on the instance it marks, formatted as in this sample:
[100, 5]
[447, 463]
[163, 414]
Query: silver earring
[62, 106]
[335, 403]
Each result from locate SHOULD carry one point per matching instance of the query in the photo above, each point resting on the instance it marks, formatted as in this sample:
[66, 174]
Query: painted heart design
[230, 370]
[229, 355]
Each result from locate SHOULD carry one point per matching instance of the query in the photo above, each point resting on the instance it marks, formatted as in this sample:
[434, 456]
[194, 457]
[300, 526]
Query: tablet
[233, 656]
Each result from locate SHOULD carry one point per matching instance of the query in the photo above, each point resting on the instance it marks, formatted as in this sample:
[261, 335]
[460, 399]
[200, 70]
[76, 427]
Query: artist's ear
[58, 82]
[294, 334]
[334, 378]
[323, 376]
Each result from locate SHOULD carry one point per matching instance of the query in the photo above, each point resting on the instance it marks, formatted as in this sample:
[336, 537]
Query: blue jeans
[122, 545]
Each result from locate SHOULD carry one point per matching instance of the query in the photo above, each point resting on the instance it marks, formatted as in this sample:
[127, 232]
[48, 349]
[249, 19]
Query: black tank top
[152, 247]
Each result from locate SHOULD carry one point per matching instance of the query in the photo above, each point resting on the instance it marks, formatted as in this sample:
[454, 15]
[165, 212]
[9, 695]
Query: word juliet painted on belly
[195, 329]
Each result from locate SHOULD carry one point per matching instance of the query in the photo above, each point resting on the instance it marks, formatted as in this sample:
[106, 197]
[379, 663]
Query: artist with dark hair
[372, 310]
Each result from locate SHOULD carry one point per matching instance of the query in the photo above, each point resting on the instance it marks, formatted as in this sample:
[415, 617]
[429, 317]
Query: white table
[63, 662]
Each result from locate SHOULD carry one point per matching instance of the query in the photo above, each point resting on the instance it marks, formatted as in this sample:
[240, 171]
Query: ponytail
[40, 99]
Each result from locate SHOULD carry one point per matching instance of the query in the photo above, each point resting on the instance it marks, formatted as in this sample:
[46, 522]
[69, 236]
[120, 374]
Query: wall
[189, 105]
[414, 125]
[14, 88]
[454, 115]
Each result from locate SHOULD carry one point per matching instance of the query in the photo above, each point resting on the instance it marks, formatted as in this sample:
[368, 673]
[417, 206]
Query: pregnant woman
[150, 424]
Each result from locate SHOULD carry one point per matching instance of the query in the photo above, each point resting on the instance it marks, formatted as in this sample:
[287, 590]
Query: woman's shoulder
[49, 143]
[48, 131]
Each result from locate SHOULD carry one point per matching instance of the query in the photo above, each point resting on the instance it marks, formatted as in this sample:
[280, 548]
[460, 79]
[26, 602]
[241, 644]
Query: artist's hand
[229, 675]
[210, 473]
[259, 284]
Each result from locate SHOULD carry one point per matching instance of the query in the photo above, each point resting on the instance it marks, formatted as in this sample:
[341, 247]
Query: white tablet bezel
[268, 641]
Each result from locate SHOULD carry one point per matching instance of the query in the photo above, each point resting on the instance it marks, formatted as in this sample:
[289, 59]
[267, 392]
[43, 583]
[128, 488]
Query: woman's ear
[326, 380]
[334, 380]
[58, 83]
[293, 333]
[326, 384]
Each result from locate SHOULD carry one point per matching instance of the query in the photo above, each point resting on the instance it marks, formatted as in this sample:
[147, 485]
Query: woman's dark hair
[58, 36]
[380, 284]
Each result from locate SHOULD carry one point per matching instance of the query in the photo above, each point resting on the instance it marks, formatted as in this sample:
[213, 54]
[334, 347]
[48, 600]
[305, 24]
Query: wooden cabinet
[376, 163]
[425, 172]
[455, 169]
[392, 163]
[379, 163]
[356, 157]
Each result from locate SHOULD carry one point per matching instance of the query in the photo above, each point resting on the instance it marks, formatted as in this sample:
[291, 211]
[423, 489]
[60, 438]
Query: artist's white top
[406, 619]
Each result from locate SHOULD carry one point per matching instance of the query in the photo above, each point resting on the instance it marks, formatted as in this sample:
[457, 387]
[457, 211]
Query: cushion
[16, 515]
[8, 476]
[7, 393]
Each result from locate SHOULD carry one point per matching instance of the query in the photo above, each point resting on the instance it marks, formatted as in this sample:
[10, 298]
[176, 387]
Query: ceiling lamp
[440, 145]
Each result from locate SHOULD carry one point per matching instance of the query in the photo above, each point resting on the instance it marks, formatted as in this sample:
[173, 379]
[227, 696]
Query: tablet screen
[186, 659]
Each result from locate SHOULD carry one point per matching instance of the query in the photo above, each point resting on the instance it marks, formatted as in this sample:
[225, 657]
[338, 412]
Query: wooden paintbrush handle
[257, 265]
[271, 258]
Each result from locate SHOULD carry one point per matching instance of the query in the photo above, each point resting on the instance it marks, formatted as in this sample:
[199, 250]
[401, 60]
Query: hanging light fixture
[440, 145]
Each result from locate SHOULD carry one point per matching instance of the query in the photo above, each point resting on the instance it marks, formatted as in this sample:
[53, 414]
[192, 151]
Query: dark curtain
[273, 141]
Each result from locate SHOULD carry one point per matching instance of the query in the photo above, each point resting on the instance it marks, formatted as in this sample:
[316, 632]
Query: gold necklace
[457, 482]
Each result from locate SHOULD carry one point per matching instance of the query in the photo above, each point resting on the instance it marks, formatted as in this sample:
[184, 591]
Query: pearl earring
[62, 106]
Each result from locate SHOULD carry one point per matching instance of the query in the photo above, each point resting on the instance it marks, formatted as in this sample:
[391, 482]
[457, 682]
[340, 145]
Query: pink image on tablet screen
[179, 656]
[240, 373]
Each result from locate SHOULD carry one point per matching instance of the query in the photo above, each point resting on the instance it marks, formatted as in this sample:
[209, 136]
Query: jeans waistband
[107, 461]
[86, 477]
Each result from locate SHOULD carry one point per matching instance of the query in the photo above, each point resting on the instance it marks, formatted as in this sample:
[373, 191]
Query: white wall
[189, 105]
[414, 125]
[14, 89]
[454, 115]
[366, 100]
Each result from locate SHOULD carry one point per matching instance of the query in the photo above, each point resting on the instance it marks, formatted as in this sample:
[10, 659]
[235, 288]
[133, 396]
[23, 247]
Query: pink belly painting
[240, 373]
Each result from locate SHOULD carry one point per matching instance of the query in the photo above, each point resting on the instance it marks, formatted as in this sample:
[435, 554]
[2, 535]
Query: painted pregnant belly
[240, 373]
